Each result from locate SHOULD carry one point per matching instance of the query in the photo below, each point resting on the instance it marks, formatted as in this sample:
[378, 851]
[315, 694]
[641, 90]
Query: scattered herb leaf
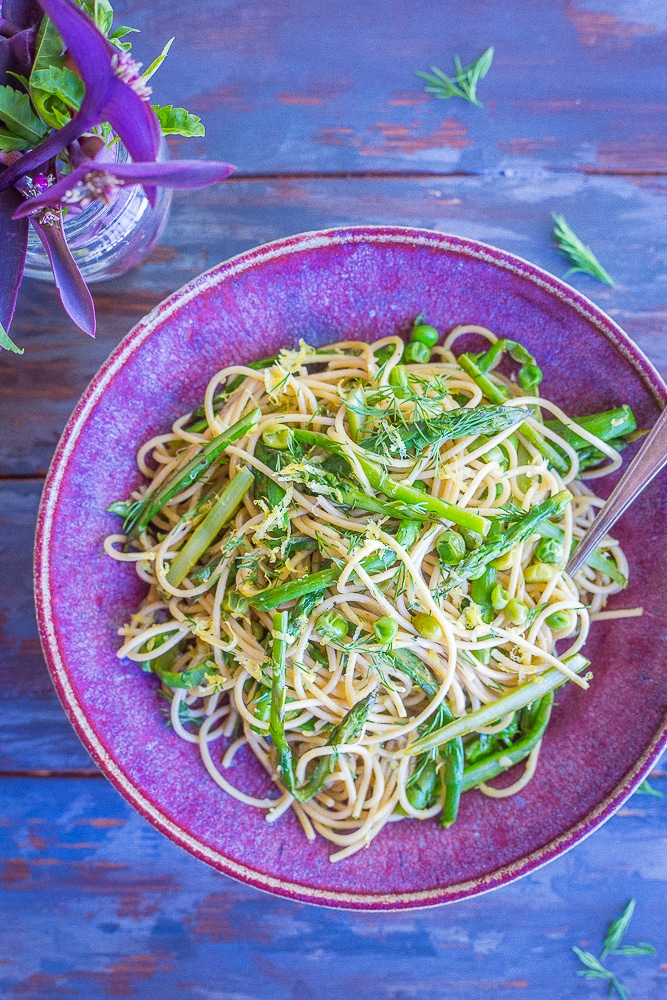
[464, 84]
[581, 257]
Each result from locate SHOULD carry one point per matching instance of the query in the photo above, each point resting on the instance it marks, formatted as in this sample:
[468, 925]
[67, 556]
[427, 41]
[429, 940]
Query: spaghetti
[355, 566]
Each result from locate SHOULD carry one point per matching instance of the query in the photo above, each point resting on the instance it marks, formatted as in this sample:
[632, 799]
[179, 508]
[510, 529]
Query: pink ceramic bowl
[362, 283]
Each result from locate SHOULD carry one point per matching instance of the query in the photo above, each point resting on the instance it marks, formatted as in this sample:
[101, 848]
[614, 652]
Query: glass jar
[107, 240]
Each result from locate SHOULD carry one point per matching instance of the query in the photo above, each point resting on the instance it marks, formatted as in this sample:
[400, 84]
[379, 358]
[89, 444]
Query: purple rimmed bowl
[338, 284]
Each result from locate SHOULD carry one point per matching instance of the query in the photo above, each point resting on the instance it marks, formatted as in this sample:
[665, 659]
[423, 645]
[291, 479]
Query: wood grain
[625, 221]
[97, 904]
[318, 107]
[293, 85]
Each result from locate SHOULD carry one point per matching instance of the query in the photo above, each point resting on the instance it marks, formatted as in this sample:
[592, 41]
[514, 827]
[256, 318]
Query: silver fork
[646, 464]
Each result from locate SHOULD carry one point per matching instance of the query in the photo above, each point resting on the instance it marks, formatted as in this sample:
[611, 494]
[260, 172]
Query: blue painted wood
[292, 85]
[624, 220]
[98, 904]
[95, 902]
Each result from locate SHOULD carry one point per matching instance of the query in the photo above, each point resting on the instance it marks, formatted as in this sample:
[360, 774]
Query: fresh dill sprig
[464, 84]
[581, 257]
[647, 789]
[594, 969]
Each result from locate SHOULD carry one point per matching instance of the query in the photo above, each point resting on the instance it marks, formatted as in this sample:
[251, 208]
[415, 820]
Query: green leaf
[641, 948]
[616, 930]
[464, 84]
[646, 789]
[18, 116]
[19, 76]
[7, 343]
[577, 253]
[48, 57]
[61, 83]
[178, 121]
[120, 32]
[155, 65]
[48, 47]
[591, 962]
[101, 12]
[9, 143]
[619, 987]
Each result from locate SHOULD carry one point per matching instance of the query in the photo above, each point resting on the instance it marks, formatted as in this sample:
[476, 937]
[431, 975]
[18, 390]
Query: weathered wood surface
[98, 904]
[294, 86]
[625, 220]
[95, 902]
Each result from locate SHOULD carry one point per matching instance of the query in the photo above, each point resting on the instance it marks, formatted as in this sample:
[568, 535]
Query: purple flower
[115, 93]
[94, 180]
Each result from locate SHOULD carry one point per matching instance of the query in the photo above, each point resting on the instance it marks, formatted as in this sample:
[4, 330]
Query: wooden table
[318, 106]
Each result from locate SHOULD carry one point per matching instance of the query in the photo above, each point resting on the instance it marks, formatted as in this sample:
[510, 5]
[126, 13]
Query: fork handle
[646, 464]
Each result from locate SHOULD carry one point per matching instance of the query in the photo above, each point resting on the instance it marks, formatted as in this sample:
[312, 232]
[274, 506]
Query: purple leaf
[14, 245]
[16, 55]
[93, 180]
[74, 294]
[21, 13]
[115, 93]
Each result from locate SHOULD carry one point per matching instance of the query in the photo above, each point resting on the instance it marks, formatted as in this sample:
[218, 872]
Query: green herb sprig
[647, 789]
[581, 257]
[464, 84]
[594, 969]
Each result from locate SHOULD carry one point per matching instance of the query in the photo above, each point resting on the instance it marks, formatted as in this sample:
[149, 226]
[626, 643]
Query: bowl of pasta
[300, 568]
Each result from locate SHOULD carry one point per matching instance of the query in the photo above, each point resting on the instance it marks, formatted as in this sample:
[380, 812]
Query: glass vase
[108, 239]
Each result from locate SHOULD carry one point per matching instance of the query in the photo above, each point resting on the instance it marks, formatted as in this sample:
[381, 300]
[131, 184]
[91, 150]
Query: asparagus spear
[277, 714]
[273, 597]
[347, 731]
[379, 480]
[140, 514]
[490, 766]
[203, 536]
[498, 394]
[475, 562]
[511, 702]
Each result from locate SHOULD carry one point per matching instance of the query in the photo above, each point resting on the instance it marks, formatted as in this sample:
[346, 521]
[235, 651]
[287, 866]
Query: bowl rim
[145, 328]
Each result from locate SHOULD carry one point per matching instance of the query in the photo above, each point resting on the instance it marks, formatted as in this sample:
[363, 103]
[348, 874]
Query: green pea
[529, 377]
[499, 597]
[422, 333]
[421, 484]
[472, 539]
[235, 603]
[427, 626]
[504, 562]
[450, 548]
[386, 629]
[398, 378]
[540, 572]
[276, 436]
[550, 550]
[516, 612]
[417, 353]
[332, 625]
[558, 621]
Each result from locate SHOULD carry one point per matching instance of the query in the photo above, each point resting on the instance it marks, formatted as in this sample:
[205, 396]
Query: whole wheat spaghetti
[355, 566]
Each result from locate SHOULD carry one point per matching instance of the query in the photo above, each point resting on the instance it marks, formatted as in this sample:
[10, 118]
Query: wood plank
[295, 85]
[36, 731]
[623, 219]
[96, 903]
